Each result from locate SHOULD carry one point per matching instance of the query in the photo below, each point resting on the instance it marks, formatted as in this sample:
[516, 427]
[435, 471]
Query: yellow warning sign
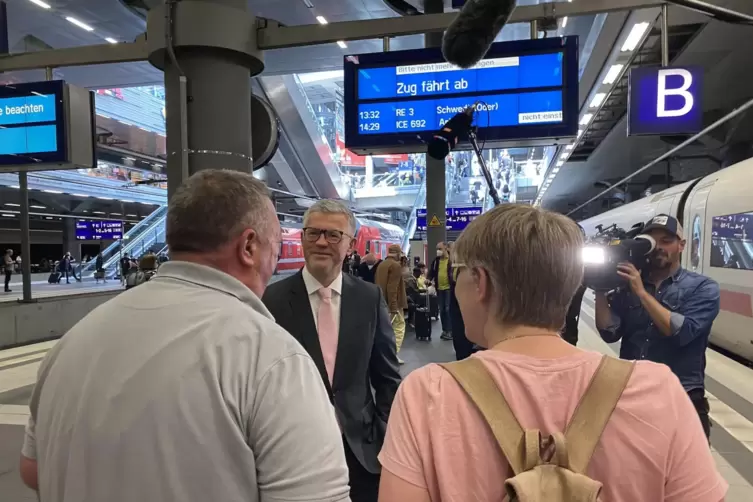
[435, 222]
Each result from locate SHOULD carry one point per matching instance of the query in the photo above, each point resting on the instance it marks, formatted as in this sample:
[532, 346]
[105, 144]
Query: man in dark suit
[345, 326]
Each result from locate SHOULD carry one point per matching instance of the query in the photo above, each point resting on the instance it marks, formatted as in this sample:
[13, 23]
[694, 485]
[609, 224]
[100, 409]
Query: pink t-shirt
[653, 448]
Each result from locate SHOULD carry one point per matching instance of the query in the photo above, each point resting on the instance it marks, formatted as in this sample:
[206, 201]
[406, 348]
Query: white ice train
[717, 215]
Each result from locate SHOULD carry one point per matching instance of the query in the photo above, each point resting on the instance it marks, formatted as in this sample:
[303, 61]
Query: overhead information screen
[32, 123]
[526, 93]
[88, 230]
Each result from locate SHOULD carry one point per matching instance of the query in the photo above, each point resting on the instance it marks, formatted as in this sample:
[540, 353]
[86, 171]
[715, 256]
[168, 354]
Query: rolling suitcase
[54, 278]
[422, 324]
[434, 306]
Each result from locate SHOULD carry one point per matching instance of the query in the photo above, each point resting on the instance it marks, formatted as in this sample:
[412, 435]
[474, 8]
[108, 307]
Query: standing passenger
[345, 326]
[389, 278]
[185, 389]
[441, 275]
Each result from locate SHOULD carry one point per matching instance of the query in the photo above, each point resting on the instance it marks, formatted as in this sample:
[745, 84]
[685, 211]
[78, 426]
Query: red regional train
[371, 237]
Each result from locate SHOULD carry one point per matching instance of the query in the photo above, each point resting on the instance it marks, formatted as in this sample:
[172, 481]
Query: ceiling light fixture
[342, 44]
[564, 22]
[12, 204]
[111, 40]
[613, 74]
[586, 119]
[78, 23]
[560, 163]
[52, 191]
[569, 147]
[9, 215]
[38, 207]
[40, 3]
[598, 99]
[635, 36]
[321, 19]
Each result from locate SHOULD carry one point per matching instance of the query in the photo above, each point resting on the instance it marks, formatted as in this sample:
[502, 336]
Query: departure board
[32, 123]
[95, 230]
[457, 218]
[523, 90]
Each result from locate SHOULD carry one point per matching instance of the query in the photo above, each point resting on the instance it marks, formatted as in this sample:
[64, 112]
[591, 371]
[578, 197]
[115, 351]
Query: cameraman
[666, 314]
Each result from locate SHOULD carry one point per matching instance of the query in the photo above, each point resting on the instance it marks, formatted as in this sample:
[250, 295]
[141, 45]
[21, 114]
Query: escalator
[141, 238]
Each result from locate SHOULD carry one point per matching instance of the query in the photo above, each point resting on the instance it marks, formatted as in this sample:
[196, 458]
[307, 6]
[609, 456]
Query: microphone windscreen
[473, 31]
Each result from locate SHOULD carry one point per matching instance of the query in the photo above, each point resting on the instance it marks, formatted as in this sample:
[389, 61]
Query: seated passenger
[518, 270]
[185, 389]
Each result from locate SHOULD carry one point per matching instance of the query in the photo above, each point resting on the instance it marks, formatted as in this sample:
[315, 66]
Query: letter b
[664, 93]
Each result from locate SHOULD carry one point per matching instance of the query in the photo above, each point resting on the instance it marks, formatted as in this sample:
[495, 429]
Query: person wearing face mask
[368, 268]
[346, 326]
[188, 377]
[440, 274]
[665, 313]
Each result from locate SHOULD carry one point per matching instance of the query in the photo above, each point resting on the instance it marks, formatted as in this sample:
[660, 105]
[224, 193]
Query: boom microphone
[447, 138]
[473, 31]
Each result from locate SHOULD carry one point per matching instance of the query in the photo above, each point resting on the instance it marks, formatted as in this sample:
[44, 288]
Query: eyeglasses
[331, 236]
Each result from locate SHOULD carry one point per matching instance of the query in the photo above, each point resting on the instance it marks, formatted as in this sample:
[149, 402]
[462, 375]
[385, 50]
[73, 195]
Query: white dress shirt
[312, 288]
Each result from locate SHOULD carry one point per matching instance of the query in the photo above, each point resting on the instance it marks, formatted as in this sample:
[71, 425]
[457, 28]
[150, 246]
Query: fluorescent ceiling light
[9, 215]
[79, 195]
[342, 44]
[132, 215]
[564, 22]
[78, 23]
[565, 156]
[321, 19]
[580, 132]
[569, 147]
[555, 170]
[105, 198]
[111, 40]
[560, 164]
[52, 191]
[116, 214]
[38, 207]
[40, 3]
[598, 99]
[98, 212]
[586, 119]
[14, 186]
[635, 37]
[613, 74]
[12, 204]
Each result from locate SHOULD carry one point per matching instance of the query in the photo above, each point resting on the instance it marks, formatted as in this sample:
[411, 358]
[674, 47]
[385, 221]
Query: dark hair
[416, 271]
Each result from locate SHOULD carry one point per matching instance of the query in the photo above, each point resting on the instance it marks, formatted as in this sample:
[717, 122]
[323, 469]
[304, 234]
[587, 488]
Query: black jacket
[366, 357]
[433, 272]
[368, 274]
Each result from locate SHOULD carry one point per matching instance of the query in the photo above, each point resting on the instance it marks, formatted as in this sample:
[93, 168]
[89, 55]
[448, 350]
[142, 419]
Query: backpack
[561, 475]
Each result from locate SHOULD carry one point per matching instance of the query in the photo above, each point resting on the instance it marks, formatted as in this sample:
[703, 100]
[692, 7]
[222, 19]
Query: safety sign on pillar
[434, 222]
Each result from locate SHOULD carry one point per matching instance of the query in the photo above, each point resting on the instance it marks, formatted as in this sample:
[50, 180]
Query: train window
[368, 247]
[695, 243]
[732, 241]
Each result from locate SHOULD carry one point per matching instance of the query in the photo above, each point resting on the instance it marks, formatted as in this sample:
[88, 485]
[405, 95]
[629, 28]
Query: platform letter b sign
[682, 91]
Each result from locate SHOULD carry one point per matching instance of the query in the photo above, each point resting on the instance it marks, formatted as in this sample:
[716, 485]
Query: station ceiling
[728, 65]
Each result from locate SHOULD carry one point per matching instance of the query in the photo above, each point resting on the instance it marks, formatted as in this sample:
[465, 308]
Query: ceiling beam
[272, 35]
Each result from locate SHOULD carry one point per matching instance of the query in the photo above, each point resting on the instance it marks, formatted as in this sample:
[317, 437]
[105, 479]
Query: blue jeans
[443, 296]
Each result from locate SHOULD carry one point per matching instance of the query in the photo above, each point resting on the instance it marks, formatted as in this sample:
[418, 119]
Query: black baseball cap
[665, 222]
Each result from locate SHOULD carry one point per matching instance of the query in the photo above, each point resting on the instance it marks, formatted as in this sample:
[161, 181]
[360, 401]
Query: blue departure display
[32, 123]
[95, 230]
[457, 218]
[398, 100]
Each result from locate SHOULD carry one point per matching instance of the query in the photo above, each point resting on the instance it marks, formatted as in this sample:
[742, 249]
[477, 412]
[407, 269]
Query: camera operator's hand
[627, 271]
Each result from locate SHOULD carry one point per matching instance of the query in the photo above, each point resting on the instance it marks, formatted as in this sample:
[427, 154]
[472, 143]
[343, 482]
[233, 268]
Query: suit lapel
[304, 330]
[347, 338]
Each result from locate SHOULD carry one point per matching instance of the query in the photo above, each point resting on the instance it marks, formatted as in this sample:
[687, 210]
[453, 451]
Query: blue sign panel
[95, 230]
[32, 123]
[665, 101]
[457, 218]
[396, 101]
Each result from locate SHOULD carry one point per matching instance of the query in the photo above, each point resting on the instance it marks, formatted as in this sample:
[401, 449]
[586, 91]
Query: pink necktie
[327, 331]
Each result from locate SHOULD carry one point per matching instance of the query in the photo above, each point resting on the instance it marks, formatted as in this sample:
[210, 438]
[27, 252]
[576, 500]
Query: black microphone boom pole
[490, 183]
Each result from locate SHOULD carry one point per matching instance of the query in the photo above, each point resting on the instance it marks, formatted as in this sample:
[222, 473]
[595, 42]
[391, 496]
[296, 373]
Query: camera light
[593, 255]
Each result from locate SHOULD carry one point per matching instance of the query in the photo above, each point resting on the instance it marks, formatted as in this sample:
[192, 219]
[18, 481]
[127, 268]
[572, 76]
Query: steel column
[436, 189]
[665, 35]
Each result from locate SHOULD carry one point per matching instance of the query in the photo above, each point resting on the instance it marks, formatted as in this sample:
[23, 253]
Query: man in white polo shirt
[184, 389]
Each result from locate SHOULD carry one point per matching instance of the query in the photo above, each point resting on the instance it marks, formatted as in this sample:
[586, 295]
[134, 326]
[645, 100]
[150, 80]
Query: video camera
[609, 247]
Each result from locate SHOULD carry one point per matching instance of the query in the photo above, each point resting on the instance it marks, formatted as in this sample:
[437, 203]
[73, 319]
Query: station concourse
[263, 87]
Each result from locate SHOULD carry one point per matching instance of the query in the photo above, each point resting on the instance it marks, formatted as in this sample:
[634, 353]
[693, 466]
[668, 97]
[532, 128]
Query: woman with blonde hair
[519, 267]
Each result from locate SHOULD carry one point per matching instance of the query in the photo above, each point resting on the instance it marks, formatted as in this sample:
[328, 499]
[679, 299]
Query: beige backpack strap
[478, 384]
[594, 409]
